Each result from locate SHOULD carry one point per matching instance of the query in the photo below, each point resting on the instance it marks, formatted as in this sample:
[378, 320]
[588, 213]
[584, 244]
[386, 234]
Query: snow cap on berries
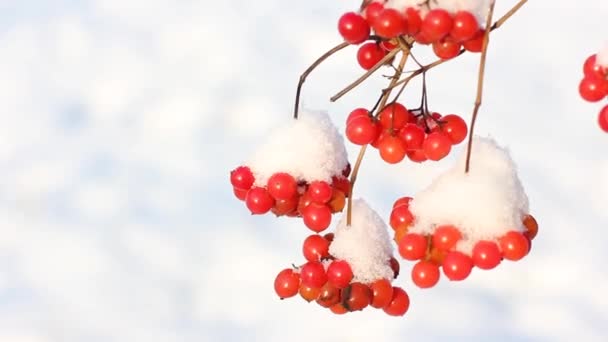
[365, 245]
[309, 149]
[484, 204]
[479, 8]
[602, 56]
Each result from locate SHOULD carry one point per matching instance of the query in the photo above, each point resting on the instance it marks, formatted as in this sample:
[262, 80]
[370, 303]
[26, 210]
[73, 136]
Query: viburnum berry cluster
[468, 217]
[594, 85]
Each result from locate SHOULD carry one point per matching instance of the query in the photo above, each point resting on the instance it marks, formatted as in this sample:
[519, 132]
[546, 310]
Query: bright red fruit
[417, 156]
[361, 130]
[425, 274]
[315, 247]
[309, 293]
[602, 119]
[382, 293]
[359, 112]
[240, 193]
[514, 245]
[593, 89]
[402, 201]
[329, 296]
[413, 136]
[413, 246]
[242, 178]
[313, 274]
[486, 255]
[457, 266]
[341, 184]
[437, 146]
[465, 26]
[530, 222]
[285, 206]
[475, 44]
[446, 237]
[446, 48]
[317, 217]
[422, 39]
[399, 304]
[338, 308]
[437, 24]
[369, 54]
[282, 186]
[392, 149]
[401, 217]
[592, 69]
[389, 23]
[320, 192]
[287, 283]
[339, 274]
[353, 28]
[372, 11]
[414, 21]
[394, 116]
[259, 201]
[356, 297]
[455, 128]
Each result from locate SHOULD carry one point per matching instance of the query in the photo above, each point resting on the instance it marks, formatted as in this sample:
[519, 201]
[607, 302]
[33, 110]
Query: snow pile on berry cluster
[479, 8]
[602, 56]
[484, 204]
[365, 244]
[309, 149]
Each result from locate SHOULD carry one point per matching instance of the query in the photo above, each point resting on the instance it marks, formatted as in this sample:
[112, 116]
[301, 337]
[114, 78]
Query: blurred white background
[120, 122]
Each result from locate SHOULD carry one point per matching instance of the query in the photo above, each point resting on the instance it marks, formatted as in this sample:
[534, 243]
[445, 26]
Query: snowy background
[120, 120]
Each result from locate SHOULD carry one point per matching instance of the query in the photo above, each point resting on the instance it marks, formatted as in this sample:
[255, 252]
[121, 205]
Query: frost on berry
[365, 245]
[309, 149]
[602, 56]
[484, 204]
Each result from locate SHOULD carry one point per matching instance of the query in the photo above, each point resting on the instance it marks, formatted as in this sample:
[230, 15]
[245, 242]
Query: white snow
[602, 56]
[479, 8]
[309, 148]
[365, 245]
[484, 204]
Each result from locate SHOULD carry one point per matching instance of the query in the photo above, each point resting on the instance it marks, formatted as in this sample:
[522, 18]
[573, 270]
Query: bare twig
[482, 66]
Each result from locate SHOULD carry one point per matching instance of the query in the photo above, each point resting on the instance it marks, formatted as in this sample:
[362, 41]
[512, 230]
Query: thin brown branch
[363, 77]
[357, 166]
[310, 69]
[509, 14]
[480, 78]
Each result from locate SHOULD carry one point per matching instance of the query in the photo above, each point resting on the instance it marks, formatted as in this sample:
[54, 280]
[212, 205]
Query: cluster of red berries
[447, 32]
[397, 132]
[315, 202]
[437, 250]
[594, 87]
[329, 282]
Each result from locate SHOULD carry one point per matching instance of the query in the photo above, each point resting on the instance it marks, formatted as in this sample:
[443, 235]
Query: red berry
[425, 274]
[465, 26]
[412, 135]
[320, 192]
[446, 48]
[339, 274]
[414, 21]
[437, 24]
[402, 201]
[341, 184]
[475, 44]
[240, 193]
[287, 283]
[282, 186]
[422, 39]
[370, 54]
[457, 266]
[394, 116]
[242, 178]
[395, 267]
[315, 247]
[361, 130]
[353, 28]
[530, 222]
[372, 11]
[417, 156]
[390, 23]
[381, 134]
[338, 309]
[359, 112]
[285, 206]
[317, 217]
[399, 304]
[382, 293]
[309, 293]
[329, 296]
[592, 69]
[593, 89]
[602, 119]
[446, 237]
[356, 297]
[514, 245]
[455, 128]
[437, 146]
[392, 149]
[401, 217]
[313, 274]
[486, 255]
[259, 201]
[413, 246]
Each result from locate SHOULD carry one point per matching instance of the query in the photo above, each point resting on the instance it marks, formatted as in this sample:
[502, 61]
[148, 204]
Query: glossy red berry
[401, 217]
[356, 297]
[437, 146]
[402, 201]
[382, 293]
[413, 247]
[455, 128]
[372, 11]
[390, 23]
[414, 21]
[240, 193]
[287, 283]
[317, 217]
[457, 266]
[361, 130]
[446, 237]
[339, 274]
[465, 26]
[313, 274]
[446, 48]
[259, 201]
[417, 156]
[602, 119]
[514, 245]
[593, 89]
[437, 24]
[359, 112]
[320, 192]
[282, 186]
[392, 149]
[412, 135]
[425, 274]
[399, 304]
[592, 69]
[394, 116]
[369, 54]
[486, 255]
[242, 178]
[475, 44]
[353, 28]
[315, 247]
